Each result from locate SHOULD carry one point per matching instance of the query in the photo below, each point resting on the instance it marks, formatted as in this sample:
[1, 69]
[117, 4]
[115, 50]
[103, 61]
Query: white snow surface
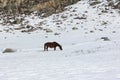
[85, 56]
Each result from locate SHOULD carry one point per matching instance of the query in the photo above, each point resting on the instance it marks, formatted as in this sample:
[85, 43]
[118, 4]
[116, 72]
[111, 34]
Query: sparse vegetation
[13, 7]
[14, 12]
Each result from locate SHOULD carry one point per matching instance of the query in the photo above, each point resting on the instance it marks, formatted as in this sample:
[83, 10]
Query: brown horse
[52, 45]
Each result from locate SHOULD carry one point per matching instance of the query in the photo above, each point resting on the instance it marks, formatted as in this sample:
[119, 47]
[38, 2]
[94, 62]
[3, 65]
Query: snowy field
[86, 55]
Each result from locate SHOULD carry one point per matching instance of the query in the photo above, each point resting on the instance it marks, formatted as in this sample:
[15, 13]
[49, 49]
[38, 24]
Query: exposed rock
[19, 28]
[74, 28]
[80, 17]
[94, 3]
[9, 50]
[105, 38]
[48, 30]
[56, 33]
[117, 5]
[17, 21]
[29, 27]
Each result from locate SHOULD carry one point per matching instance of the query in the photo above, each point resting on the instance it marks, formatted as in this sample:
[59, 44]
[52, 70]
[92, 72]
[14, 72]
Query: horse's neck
[59, 46]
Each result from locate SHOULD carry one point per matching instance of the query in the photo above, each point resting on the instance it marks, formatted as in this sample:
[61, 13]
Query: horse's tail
[44, 46]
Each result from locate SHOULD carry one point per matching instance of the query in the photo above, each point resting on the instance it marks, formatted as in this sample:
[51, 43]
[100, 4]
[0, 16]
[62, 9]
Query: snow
[85, 56]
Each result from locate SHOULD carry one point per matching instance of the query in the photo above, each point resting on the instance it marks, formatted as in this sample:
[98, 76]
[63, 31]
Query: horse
[52, 45]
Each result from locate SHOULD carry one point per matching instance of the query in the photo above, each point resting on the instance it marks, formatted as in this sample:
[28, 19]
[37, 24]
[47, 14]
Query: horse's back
[50, 44]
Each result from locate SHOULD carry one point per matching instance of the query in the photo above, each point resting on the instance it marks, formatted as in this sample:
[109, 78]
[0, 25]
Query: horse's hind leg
[45, 48]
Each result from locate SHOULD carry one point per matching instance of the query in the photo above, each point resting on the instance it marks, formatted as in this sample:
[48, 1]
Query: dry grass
[49, 4]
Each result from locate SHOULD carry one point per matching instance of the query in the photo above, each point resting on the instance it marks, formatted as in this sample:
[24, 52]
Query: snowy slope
[85, 56]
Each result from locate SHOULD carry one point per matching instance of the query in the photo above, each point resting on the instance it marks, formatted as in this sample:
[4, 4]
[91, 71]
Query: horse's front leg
[45, 48]
[54, 48]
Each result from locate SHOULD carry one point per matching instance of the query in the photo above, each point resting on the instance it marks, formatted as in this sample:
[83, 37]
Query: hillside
[89, 35]
[16, 7]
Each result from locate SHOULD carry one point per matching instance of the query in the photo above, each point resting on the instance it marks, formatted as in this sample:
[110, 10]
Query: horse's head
[60, 47]
[57, 44]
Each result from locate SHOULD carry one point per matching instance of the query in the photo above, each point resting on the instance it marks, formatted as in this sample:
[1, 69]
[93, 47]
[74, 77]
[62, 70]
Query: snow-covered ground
[85, 56]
